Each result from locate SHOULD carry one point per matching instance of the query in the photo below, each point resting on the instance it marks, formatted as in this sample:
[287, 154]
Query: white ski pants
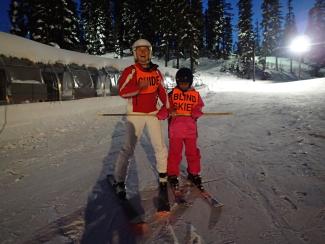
[134, 129]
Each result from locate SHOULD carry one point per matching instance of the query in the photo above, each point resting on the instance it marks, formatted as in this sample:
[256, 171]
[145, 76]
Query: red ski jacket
[143, 100]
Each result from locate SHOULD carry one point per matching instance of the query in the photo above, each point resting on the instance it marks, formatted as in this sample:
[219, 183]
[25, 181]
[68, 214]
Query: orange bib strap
[183, 102]
[152, 76]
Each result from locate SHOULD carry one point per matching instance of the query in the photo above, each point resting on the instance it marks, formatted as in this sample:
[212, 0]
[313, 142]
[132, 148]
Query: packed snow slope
[265, 163]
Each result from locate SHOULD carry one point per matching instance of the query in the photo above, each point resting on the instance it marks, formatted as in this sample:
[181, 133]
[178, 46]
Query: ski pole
[209, 114]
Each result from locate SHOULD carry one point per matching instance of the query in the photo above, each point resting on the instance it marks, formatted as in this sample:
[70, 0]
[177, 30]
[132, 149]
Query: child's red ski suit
[182, 129]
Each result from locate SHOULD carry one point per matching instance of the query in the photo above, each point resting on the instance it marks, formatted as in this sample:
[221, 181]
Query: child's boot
[196, 180]
[173, 181]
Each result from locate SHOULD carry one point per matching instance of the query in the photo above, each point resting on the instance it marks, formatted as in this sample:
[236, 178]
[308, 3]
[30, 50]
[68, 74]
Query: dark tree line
[316, 30]
[176, 28]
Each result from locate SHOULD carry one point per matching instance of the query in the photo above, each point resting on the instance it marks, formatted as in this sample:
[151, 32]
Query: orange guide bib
[153, 77]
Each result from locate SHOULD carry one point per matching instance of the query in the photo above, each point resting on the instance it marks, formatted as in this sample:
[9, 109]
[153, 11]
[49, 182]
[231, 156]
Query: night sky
[301, 8]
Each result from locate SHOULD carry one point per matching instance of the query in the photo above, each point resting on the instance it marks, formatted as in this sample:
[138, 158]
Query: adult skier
[142, 85]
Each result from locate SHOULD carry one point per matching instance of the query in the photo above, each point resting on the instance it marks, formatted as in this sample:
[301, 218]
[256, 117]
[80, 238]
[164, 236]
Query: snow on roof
[19, 47]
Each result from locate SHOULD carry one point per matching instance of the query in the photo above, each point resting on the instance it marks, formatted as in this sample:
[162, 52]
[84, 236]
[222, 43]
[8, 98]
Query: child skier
[185, 108]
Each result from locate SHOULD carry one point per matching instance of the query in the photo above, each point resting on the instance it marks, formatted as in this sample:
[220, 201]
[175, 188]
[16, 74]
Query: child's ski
[212, 201]
[179, 196]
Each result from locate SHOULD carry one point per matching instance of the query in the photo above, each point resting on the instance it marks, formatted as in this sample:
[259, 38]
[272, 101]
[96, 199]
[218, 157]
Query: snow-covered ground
[265, 163]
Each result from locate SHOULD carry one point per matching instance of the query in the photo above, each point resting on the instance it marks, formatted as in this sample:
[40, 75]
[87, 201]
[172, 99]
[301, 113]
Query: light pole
[300, 45]
[254, 71]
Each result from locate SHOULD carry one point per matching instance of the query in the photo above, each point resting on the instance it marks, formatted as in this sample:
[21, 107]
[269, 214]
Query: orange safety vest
[184, 102]
[153, 77]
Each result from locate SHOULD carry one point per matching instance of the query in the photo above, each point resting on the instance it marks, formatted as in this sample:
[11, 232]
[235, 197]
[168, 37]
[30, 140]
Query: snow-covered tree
[144, 14]
[245, 37]
[18, 14]
[130, 23]
[227, 38]
[290, 30]
[316, 31]
[215, 26]
[69, 25]
[94, 23]
[167, 32]
[118, 26]
[257, 39]
[158, 24]
[219, 28]
[38, 20]
[109, 31]
[54, 22]
[290, 27]
[192, 38]
[197, 10]
[271, 27]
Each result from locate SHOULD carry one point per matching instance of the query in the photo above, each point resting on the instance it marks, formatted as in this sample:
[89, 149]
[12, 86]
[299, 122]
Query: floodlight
[300, 44]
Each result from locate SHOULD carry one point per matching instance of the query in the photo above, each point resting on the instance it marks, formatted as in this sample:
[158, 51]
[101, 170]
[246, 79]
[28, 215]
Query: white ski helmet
[142, 43]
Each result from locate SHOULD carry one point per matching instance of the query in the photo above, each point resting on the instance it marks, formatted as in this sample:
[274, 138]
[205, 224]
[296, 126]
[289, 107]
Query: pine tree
[290, 27]
[130, 23]
[94, 22]
[38, 20]
[257, 39]
[69, 25]
[18, 17]
[195, 25]
[245, 37]
[197, 11]
[227, 35]
[144, 14]
[166, 27]
[158, 24]
[316, 31]
[180, 28]
[54, 22]
[271, 27]
[109, 31]
[219, 28]
[215, 16]
[118, 28]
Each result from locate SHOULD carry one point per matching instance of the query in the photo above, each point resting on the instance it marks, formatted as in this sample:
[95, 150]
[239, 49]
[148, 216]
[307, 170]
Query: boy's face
[184, 86]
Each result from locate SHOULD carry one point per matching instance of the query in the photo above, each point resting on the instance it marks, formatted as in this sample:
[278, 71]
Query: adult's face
[142, 55]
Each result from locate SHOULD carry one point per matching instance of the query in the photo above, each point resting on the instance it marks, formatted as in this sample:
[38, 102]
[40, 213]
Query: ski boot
[163, 207]
[173, 182]
[162, 181]
[120, 190]
[196, 180]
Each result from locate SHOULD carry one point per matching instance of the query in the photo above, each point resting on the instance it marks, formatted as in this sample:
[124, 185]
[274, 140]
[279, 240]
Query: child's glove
[172, 112]
[196, 113]
[162, 113]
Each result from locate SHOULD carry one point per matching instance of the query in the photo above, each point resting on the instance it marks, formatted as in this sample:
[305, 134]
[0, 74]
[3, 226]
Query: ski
[180, 196]
[211, 200]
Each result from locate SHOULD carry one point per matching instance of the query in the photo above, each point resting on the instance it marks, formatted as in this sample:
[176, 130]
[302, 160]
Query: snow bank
[15, 46]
